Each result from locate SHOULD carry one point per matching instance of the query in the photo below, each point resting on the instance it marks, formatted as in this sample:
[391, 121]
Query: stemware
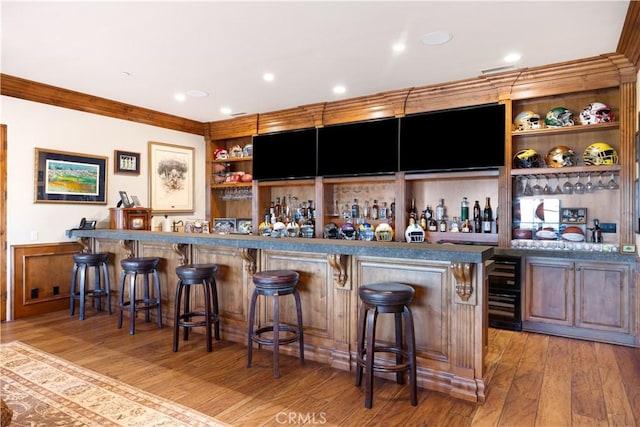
[567, 187]
[601, 185]
[578, 187]
[537, 188]
[519, 186]
[558, 189]
[613, 184]
[527, 188]
[589, 187]
[547, 188]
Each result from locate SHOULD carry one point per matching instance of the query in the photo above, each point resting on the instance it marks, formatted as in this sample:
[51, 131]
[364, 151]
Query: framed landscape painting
[64, 177]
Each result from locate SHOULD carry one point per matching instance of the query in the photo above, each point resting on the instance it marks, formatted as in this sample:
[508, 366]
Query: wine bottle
[487, 217]
[464, 209]
[477, 218]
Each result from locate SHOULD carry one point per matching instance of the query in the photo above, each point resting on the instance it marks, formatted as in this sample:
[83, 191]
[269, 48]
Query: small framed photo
[135, 202]
[224, 225]
[126, 162]
[124, 199]
[573, 216]
[244, 226]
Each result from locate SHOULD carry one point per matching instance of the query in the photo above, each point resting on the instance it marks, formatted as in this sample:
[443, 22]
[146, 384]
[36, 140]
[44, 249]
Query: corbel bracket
[338, 263]
[249, 256]
[462, 272]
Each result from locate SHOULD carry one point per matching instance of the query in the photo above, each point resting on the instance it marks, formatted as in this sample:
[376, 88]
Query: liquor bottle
[375, 209]
[477, 219]
[412, 210]
[423, 220]
[278, 212]
[464, 209]
[487, 217]
[432, 224]
[355, 210]
[366, 212]
[441, 211]
[392, 211]
[442, 225]
[384, 211]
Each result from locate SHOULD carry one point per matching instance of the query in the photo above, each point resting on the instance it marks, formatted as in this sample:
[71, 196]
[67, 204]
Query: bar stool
[188, 276]
[386, 297]
[80, 289]
[275, 283]
[146, 267]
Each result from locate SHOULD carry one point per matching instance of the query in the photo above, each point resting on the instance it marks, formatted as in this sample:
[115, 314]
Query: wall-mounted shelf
[566, 129]
[566, 171]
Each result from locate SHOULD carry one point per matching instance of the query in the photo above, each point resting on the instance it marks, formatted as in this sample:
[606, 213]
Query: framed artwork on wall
[65, 177]
[126, 162]
[171, 177]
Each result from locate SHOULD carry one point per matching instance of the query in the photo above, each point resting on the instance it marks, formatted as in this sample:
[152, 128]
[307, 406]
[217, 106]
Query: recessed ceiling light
[225, 110]
[436, 37]
[196, 93]
[512, 57]
[180, 97]
[339, 90]
[268, 77]
[125, 73]
[398, 47]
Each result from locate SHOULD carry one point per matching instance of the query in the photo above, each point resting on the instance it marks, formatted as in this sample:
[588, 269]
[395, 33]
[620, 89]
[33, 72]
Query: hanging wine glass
[537, 188]
[578, 187]
[613, 184]
[547, 188]
[519, 190]
[527, 188]
[567, 187]
[558, 189]
[589, 187]
[601, 185]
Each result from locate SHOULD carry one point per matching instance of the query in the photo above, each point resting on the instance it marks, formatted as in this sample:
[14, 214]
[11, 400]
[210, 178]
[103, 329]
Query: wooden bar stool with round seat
[81, 290]
[275, 283]
[196, 275]
[386, 297]
[147, 267]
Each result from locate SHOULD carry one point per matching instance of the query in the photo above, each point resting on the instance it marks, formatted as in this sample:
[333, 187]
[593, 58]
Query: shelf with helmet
[232, 167]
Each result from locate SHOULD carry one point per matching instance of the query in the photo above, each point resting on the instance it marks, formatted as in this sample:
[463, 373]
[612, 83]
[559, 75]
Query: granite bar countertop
[427, 251]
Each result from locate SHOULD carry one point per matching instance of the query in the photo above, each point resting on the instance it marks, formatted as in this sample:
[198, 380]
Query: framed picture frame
[224, 225]
[135, 202]
[66, 177]
[126, 162]
[124, 198]
[171, 177]
[244, 226]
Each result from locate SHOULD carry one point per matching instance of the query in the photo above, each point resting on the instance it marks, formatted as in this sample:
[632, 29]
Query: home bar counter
[449, 308]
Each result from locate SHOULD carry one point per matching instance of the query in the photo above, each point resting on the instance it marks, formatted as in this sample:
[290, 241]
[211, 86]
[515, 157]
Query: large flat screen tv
[359, 148]
[285, 155]
[463, 138]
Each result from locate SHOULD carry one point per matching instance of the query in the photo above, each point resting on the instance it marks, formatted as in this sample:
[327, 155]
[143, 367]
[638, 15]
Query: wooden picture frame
[171, 177]
[66, 177]
[124, 198]
[126, 162]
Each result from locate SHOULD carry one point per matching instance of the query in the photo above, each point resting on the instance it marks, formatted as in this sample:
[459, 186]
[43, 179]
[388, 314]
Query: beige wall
[31, 124]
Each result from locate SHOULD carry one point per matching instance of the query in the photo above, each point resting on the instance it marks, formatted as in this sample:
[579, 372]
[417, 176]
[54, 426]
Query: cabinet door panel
[602, 296]
[549, 291]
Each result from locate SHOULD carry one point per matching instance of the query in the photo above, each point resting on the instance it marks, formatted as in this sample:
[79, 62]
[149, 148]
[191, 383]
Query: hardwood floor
[535, 380]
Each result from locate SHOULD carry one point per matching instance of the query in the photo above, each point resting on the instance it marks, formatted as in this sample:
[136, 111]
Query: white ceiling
[224, 47]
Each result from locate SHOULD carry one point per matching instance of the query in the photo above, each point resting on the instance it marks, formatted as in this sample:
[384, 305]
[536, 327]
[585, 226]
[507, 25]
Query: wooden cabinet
[581, 299]
[130, 218]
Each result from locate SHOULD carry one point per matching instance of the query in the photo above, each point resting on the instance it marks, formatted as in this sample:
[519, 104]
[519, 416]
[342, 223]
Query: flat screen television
[359, 148]
[285, 155]
[462, 138]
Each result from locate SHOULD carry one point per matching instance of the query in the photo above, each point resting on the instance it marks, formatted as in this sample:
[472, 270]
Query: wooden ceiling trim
[234, 128]
[289, 119]
[629, 43]
[17, 87]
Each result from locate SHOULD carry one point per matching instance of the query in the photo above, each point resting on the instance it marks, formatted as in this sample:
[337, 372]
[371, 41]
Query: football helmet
[600, 153]
[220, 154]
[527, 120]
[384, 232]
[559, 117]
[596, 112]
[527, 158]
[561, 156]
[348, 231]
[366, 232]
[331, 231]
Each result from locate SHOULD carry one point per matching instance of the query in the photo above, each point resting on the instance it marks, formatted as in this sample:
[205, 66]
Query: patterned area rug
[44, 390]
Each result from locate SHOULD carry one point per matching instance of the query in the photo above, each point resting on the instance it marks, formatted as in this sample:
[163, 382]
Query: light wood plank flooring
[535, 380]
